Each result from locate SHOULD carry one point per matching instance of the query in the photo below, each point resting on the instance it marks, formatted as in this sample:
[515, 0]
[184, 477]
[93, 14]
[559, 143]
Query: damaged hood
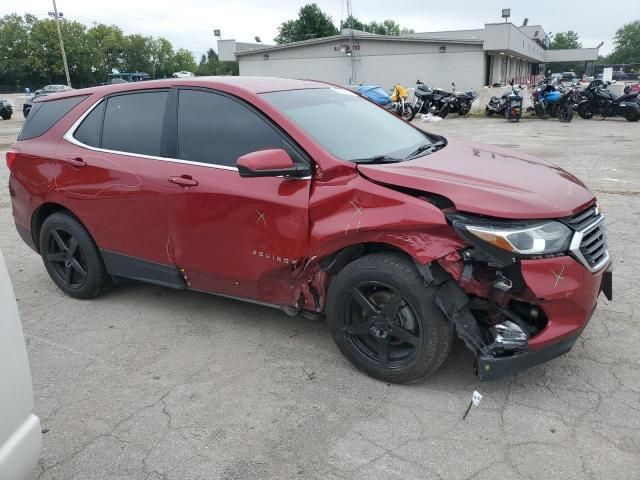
[489, 180]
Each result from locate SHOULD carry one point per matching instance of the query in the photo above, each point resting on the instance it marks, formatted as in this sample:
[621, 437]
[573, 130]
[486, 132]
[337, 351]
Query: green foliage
[568, 39]
[352, 22]
[30, 53]
[563, 40]
[210, 65]
[626, 44]
[311, 23]
[386, 27]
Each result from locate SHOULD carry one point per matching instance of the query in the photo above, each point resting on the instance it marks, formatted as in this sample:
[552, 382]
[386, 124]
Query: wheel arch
[43, 212]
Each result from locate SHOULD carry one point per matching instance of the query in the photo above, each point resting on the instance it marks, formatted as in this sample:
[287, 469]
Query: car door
[111, 175]
[241, 237]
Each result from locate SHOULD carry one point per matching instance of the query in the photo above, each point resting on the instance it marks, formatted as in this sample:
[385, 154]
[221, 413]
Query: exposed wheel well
[40, 215]
[335, 262]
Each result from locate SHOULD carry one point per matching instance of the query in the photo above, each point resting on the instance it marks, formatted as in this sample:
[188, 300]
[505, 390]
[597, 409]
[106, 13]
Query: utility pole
[57, 16]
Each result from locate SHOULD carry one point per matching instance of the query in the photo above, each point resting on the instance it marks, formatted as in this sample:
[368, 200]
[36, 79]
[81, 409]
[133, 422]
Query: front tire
[584, 112]
[407, 112]
[6, 117]
[71, 257]
[385, 321]
[566, 113]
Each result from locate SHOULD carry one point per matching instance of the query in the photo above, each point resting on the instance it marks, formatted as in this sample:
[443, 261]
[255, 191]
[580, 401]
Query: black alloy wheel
[385, 320]
[66, 257]
[382, 325]
[72, 258]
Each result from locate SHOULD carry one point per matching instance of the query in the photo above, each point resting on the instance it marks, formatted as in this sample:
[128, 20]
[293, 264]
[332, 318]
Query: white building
[471, 58]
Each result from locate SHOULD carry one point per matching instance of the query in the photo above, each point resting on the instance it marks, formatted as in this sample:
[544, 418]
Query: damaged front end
[516, 299]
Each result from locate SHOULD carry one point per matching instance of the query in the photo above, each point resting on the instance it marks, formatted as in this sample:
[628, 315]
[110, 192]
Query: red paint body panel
[489, 180]
[567, 293]
[263, 238]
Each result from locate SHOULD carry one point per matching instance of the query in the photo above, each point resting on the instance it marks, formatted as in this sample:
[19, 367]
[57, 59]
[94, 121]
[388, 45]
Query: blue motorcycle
[551, 100]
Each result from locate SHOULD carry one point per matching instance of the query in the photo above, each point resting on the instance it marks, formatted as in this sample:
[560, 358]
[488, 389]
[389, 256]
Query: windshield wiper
[426, 146]
[378, 159]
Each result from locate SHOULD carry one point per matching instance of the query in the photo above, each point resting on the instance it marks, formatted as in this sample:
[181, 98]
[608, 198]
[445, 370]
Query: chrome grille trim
[589, 245]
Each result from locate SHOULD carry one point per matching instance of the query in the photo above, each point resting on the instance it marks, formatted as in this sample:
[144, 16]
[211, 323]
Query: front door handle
[77, 162]
[184, 181]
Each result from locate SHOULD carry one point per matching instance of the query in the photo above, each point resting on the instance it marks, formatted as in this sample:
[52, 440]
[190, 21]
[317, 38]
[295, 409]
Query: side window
[89, 130]
[215, 129]
[44, 115]
[133, 122]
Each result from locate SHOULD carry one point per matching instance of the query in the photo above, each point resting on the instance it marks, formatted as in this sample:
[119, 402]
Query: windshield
[346, 125]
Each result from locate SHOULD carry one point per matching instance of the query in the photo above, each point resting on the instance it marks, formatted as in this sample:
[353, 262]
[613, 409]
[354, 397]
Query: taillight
[11, 158]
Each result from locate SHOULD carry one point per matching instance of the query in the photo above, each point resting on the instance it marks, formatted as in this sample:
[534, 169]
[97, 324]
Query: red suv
[309, 198]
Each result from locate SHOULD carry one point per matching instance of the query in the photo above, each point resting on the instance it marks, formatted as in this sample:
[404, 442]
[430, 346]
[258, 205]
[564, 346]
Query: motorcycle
[509, 104]
[427, 100]
[552, 100]
[600, 101]
[399, 104]
[514, 107]
[461, 102]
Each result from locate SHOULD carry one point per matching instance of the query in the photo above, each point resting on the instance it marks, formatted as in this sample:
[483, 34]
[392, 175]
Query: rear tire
[584, 112]
[385, 321]
[6, 117]
[71, 258]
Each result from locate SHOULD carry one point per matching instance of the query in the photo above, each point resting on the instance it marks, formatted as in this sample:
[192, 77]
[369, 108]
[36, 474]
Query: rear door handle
[77, 162]
[184, 181]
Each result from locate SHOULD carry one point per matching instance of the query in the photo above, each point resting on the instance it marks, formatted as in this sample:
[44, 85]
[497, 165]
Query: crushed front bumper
[568, 293]
[493, 368]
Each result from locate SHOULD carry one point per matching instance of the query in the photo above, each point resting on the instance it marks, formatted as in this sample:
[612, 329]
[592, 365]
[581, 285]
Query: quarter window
[44, 115]
[133, 123]
[216, 129]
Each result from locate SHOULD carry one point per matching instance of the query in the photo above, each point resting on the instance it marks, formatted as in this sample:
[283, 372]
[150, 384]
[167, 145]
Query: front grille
[583, 219]
[589, 243]
[594, 245]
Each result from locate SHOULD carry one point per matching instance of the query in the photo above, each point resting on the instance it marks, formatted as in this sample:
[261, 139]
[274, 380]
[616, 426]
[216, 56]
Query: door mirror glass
[269, 163]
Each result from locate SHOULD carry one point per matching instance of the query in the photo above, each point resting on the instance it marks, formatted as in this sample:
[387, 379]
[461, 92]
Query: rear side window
[215, 129]
[90, 129]
[133, 123]
[44, 115]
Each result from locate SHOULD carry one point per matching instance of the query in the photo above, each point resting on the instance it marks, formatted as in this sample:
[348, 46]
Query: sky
[190, 23]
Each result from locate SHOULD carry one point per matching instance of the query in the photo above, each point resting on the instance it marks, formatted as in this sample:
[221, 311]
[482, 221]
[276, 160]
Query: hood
[489, 180]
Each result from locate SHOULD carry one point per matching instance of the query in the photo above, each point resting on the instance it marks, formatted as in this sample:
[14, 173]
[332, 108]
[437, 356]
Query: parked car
[6, 110]
[311, 199]
[183, 74]
[20, 431]
[42, 92]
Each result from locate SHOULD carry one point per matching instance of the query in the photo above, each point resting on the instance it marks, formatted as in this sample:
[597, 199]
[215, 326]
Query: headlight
[536, 239]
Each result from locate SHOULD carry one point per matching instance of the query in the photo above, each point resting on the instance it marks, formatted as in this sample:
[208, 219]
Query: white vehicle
[183, 74]
[20, 431]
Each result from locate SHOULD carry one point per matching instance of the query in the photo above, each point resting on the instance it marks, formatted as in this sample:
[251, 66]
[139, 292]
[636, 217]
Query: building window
[442, 49]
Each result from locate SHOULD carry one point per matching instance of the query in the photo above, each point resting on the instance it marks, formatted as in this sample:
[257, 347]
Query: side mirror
[269, 163]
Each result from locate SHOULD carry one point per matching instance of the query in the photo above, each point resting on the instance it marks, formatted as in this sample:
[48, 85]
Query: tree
[210, 65]
[311, 23]
[386, 27]
[183, 60]
[568, 39]
[352, 22]
[626, 44]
